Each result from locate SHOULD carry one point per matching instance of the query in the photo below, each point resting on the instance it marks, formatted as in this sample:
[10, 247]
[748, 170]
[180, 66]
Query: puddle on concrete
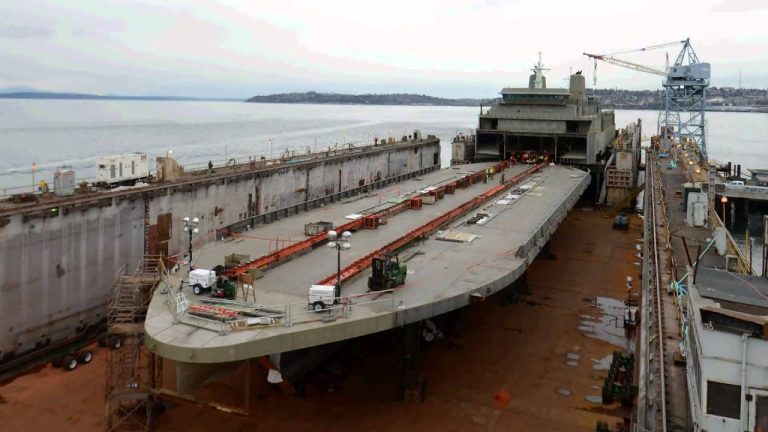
[564, 391]
[603, 363]
[572, 363]
[573, 356]
[607, 326]
[639, 246]
[594, 399]
[595, 387]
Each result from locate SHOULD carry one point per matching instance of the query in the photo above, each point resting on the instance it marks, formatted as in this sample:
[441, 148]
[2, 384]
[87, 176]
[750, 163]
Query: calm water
[51, 132]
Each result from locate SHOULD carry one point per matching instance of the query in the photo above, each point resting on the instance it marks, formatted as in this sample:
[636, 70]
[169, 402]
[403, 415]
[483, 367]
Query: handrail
[656, 264]
[744, 266]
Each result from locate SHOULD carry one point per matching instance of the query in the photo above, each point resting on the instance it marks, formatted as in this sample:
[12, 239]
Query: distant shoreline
[367, 99]
[625, 100]
[83, 96]
[313, 98]
[623, 108]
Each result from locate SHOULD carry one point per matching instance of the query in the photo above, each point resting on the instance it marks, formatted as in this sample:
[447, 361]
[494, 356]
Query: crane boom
[626, 64]
[648, 48]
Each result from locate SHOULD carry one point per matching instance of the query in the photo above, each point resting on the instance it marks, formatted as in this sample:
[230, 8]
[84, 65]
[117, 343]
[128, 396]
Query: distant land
[718, 99]
[365, 99]
[34, 94]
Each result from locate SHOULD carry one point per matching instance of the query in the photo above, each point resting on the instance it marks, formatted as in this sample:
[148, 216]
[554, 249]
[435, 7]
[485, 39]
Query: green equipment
[618, 384]
[225, 289]
[387, 272]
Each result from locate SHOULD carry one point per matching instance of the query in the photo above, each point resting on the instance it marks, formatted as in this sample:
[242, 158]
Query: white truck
[321, 297]
[202, 280]
[122, 169]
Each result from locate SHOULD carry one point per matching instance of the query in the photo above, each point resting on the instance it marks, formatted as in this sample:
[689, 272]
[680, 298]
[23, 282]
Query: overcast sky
[453, 48]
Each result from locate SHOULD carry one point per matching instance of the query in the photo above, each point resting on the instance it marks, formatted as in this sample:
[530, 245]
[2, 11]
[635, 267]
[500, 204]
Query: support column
[413, 383]
[518, 288]
[746, 212]
[546, 252]
[247, 393]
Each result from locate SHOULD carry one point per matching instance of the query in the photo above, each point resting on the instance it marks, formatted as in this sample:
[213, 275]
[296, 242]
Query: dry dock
[532, 350]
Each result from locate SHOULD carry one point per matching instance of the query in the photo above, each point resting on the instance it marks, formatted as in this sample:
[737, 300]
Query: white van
[321, 297]
[201, 280]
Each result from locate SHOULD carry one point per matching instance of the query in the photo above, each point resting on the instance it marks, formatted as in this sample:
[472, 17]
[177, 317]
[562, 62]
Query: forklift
[387, 272]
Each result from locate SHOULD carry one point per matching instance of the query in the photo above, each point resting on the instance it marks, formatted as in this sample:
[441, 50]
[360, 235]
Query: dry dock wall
[279, 191]
[56, 272]
[57, 267]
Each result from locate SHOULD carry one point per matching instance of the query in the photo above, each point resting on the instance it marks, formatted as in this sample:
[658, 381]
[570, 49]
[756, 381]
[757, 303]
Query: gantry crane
[685, 87]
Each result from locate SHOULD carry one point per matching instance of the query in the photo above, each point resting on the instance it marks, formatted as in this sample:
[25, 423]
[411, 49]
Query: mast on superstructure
[537, 79]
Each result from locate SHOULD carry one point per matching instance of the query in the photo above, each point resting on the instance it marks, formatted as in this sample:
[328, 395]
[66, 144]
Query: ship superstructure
[564, 124]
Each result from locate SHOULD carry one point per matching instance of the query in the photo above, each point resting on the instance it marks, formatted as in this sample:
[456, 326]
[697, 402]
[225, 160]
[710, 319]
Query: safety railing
[290, 314]
[9, 191]
[731, 246]
[286, 156]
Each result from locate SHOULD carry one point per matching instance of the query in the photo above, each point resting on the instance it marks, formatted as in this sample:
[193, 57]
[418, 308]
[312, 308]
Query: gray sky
[452, 48]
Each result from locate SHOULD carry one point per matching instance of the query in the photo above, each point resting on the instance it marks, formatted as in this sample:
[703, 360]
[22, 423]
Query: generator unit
[122, 169]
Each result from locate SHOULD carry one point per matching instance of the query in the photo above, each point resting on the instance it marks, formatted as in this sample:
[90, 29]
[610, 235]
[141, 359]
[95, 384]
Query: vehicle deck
[443, 276]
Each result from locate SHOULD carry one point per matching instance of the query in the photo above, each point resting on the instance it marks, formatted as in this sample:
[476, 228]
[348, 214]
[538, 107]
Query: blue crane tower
[685, 93]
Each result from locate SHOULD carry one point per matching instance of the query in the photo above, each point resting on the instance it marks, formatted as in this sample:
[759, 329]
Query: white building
[727, 347]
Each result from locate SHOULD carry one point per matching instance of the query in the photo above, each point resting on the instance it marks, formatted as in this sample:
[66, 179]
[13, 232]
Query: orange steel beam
[363, 263]
[305, 245]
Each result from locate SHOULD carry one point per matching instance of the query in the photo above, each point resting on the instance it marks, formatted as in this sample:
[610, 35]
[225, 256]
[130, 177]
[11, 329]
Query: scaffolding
[132, 370]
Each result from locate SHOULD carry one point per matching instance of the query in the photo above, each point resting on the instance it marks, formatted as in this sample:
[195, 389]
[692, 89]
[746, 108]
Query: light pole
[724, 200]
[34, 167]
[190, 226]
[270, 149]
[369, 138]
[334, 242]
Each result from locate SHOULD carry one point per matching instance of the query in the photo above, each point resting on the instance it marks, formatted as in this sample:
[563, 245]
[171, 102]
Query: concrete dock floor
[543, 351]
